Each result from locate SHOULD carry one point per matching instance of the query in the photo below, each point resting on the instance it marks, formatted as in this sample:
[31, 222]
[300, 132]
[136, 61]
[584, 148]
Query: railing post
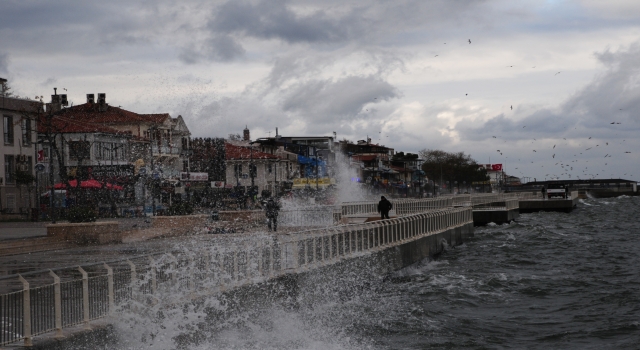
[190, 282]
[26, 312]
[173, 267]
[85, 297]
[110, 293]
[154, 278]
[57, 301]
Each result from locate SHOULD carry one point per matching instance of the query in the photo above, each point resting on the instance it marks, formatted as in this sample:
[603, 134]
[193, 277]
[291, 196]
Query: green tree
[450, 167]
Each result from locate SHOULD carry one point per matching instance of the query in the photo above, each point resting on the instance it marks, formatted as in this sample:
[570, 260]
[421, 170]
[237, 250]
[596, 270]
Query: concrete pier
[498, 216]
[561, 205]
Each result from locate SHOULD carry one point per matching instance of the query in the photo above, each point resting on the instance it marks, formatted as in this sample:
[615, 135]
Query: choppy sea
[548, 281]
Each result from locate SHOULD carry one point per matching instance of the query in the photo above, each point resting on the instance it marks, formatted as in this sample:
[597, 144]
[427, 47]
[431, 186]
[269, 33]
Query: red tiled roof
[60, 124]
[239, 152]
[364, 157]
[111, 115]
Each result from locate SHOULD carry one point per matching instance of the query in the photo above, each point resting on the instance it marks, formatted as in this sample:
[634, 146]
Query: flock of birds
[566, 166]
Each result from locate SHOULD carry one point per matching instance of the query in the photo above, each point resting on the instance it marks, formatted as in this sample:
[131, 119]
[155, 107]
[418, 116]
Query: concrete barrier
[86, 232]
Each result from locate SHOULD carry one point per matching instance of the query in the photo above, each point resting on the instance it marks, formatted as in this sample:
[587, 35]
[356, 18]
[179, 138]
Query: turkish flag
[496, 167]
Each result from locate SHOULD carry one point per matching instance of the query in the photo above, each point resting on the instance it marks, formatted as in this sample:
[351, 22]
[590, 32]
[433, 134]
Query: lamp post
[153, 190]
[456, 185]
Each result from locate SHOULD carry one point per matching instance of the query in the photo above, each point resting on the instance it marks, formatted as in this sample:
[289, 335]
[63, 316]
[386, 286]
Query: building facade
[17, 154]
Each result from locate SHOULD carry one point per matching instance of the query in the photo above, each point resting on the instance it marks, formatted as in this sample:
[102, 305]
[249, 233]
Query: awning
[83, 184]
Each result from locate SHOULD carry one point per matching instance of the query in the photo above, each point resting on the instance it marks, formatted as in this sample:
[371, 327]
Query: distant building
[17, 154]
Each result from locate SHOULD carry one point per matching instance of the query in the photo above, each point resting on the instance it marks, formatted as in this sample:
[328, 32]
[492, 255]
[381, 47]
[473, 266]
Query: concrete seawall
[344, 277]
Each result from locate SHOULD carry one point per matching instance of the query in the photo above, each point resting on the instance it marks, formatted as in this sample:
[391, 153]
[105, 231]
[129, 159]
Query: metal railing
[323, 215]
[94, 291]
[401, 206]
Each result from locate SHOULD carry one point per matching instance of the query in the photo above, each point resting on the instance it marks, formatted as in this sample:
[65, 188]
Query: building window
[8, 130]
[11, 201]
[26, 131]
[79, 150]
[9, 169]
[238, 170]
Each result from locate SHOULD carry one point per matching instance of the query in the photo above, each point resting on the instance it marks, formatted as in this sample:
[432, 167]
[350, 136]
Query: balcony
[166, 151]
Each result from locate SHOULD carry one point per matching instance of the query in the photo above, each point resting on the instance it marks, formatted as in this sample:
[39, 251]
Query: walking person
[271, 211]
[543, 192]
[383, 208]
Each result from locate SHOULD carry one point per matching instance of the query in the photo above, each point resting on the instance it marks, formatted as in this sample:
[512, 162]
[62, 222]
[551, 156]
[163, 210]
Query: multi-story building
[17, 154]
[112, 145]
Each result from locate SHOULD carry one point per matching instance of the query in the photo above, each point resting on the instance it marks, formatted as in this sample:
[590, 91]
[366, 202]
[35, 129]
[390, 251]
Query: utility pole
[153, 189]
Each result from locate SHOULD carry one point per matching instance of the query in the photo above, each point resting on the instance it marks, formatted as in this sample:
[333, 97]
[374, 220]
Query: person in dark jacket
[383, 208]
[271, 210]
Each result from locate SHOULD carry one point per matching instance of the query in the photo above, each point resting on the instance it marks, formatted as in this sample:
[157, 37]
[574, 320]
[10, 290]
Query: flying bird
[493, 137]
[469, 41]
[557, 73]
[512, 107]
[554, 146]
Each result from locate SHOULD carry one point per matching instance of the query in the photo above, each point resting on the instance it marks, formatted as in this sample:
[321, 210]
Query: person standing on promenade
[271, 211]
[543, 192]
[383, 208]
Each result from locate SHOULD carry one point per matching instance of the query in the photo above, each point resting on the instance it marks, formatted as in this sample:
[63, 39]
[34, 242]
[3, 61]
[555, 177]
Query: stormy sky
[547, 88]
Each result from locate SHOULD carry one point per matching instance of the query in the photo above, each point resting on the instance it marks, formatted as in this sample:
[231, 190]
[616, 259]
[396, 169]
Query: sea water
[547, 281]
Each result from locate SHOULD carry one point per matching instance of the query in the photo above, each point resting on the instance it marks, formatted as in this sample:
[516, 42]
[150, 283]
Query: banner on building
[217, 184]
[194, 176]
[496, 167]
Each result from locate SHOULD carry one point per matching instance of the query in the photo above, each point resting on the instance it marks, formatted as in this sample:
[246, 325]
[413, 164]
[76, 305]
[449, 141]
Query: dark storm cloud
[331, 25]
[275, 20]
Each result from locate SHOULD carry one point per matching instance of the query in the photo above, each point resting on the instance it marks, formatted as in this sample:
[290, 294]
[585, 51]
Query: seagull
[437, 56]
[556, 73]
[554, 146]
[493, 137]
[469, 41]
[512, 107]
[554, 155]
[524, 126]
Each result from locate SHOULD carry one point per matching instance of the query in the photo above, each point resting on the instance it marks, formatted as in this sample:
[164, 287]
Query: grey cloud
[4, 63]
[220, 48]
[613, 96]
[49, 81]
[275, 20]
[336, 101]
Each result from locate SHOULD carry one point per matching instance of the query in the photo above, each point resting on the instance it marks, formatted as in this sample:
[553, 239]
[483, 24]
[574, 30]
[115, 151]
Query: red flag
[40, 155]
[497, 167]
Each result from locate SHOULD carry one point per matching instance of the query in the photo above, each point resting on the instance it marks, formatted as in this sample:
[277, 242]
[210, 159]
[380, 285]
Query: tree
[450, 167]
[5, 89]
